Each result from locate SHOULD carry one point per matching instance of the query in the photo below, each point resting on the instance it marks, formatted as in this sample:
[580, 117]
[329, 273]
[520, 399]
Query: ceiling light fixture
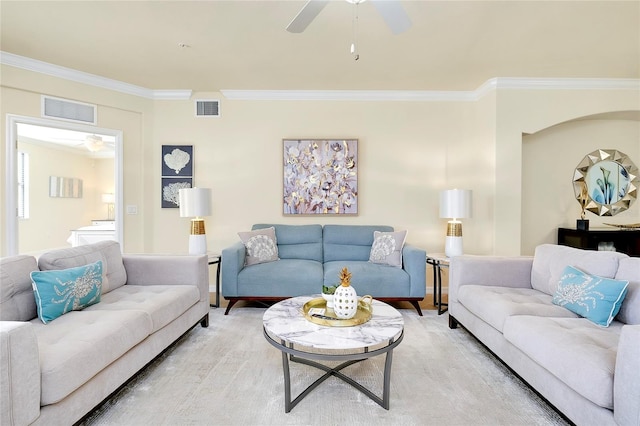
[354, 27]
[94, 143]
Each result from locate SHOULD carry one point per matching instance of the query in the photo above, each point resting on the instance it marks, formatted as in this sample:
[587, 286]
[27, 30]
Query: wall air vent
[208, 108]
[64, 109]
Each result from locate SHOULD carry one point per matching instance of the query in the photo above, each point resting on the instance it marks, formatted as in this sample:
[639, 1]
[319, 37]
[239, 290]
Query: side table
[438, 261]
[215, 259]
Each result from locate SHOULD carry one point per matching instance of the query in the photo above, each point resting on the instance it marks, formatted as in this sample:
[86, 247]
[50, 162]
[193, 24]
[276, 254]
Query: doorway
[73, 181]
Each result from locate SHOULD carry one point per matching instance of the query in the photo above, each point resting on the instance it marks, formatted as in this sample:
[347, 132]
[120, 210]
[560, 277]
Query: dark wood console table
[624, 241]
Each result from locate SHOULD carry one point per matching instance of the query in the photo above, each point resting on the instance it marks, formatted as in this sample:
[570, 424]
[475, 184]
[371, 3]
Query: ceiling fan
[391, 11]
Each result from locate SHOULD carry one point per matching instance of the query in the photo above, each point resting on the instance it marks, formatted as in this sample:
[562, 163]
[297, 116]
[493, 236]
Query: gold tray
[363, 314]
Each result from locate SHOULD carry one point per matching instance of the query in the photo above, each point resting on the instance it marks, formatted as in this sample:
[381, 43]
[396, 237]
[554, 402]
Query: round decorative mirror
[606, 182]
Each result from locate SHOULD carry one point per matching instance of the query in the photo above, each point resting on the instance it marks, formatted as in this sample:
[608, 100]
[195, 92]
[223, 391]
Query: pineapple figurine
[345, 299]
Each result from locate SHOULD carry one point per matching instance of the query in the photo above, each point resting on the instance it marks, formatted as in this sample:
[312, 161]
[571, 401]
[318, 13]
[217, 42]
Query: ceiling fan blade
[393, 14]
[307, 14]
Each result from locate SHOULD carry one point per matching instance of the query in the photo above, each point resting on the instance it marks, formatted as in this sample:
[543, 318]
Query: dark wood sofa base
[233, 300]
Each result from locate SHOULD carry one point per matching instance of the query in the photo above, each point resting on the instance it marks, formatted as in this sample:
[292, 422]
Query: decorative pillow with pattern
[387, 248]
[261, 245]
[58, 292]
[594, 298]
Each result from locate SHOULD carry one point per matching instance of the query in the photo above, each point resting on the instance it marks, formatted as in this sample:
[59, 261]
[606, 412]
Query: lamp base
[453, 246]
[582, 224]
[198, 244]
[197, 239]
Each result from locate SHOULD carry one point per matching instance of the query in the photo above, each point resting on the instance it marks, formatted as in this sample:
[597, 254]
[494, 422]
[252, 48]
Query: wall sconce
[454, 204]
[196, 202]
[109, 199]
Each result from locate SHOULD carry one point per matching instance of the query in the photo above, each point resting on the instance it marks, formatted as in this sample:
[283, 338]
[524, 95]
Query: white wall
[548, 197]
[20, 93]
[408, 152]
[52, 218]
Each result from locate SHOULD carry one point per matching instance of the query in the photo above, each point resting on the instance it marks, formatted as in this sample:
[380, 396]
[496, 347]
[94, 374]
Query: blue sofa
[312, 256]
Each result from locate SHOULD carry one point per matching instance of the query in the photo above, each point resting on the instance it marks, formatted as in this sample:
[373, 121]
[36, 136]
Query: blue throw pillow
[594, 298]
[60, 291]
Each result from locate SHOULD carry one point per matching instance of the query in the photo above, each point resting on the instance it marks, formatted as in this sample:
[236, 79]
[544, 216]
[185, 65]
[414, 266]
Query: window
[23, 185]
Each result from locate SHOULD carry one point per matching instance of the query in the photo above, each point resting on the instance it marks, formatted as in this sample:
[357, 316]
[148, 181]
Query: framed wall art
[320, 176]
[177, 173]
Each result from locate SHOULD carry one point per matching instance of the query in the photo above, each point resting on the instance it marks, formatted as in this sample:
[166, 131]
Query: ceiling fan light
[94, 143]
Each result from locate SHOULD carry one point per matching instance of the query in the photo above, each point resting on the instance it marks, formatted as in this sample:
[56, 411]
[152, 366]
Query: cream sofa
[56, 373]
[590, 373]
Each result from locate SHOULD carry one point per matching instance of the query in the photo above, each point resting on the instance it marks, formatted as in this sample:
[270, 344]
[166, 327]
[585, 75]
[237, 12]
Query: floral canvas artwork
[320, 176]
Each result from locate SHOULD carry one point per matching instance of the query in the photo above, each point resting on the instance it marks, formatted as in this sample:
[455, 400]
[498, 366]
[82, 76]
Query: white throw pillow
[387, 248]
[261, 246]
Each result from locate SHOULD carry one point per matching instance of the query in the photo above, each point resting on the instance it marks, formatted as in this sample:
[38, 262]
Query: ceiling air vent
[63, 109]
[208, 108]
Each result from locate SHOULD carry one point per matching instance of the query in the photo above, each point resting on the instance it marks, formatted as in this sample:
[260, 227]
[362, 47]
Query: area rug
[228, 374]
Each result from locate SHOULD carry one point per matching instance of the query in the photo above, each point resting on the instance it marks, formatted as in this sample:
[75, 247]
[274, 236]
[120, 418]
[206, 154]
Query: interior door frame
[11, 195]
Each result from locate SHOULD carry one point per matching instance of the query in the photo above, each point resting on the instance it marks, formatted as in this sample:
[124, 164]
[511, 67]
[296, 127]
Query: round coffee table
[302, 341]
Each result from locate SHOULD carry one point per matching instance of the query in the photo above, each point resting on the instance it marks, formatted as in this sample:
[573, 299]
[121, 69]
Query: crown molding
[46, 68]
[491, 85]
[499, 83]
[347, 95]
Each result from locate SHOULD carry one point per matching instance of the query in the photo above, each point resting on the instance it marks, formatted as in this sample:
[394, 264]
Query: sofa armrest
[414, 261]
[626, 385]
[512, 272]
[157, 269]
[232, 263]
[19, 374]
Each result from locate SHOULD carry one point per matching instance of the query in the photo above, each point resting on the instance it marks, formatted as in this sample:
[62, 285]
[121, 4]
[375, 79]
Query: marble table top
[284, 320]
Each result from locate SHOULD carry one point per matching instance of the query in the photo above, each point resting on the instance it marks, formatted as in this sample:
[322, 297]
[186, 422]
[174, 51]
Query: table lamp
[454, 204]
[195, 203]
[109, 200]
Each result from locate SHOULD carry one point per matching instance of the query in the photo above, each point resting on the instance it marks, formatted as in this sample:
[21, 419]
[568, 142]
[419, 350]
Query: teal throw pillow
[594, 298]
[60, 291]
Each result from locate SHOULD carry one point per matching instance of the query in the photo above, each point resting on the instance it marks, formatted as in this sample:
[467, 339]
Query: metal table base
[294, 355]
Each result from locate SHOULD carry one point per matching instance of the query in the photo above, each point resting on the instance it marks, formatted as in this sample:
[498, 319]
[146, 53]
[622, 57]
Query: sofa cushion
[594, 298]
[370, 278]
[550, 260]
[285, 278]
[261, 246]
[494, 304]
[79, 345]
[297, 241]
[114, 274]
[629, 269]
[64, 290]
[349, 242]
[576, 351]
[163, 303]
[16, 292]
[387, 248]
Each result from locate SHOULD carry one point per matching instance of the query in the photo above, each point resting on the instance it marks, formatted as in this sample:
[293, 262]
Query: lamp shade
[195, 202]
[108, 198]
[455, 203]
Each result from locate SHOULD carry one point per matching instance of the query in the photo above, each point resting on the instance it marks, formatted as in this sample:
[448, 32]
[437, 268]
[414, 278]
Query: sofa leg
[204, 322]
[453, 323]
[417, 306]
[230, 305]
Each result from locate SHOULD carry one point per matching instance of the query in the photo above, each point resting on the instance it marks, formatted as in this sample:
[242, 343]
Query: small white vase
[329, 299]
[345, 302]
